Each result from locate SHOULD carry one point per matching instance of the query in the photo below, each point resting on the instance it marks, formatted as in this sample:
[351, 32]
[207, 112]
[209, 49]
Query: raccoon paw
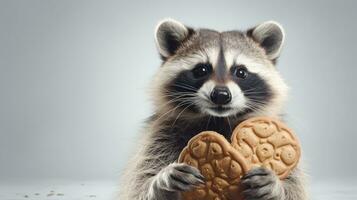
[262, 184]
[179, 177]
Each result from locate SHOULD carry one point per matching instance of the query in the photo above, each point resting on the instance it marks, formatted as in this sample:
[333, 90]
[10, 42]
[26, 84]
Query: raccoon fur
[208, 80]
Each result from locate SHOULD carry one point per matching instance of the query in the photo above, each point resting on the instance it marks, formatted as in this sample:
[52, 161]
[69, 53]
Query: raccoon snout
[221, 95]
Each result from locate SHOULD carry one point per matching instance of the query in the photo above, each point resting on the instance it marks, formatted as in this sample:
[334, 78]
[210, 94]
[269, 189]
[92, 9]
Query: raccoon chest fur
[175, 135]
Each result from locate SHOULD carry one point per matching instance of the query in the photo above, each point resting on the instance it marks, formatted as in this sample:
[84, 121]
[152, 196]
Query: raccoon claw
[261, 184]
[179, 177]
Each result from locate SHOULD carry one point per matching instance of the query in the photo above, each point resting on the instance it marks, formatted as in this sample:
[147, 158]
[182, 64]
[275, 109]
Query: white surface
[58, 190]
[334, 191]
[106, 190]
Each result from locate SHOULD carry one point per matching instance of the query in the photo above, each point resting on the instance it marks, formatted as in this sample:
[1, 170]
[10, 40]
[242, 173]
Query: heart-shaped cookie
[259, 141]
[220, 164]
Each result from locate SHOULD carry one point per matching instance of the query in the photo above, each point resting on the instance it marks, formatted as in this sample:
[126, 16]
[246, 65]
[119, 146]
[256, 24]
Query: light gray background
[74, 75]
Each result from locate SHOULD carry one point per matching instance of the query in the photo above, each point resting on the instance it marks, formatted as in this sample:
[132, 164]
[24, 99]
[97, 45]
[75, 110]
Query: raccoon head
[209, 73]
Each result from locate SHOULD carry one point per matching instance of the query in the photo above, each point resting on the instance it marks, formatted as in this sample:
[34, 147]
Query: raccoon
[208, 80]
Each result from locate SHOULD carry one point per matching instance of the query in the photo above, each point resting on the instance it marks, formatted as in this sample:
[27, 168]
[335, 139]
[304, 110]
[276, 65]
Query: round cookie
[220, 164]
[267, 142]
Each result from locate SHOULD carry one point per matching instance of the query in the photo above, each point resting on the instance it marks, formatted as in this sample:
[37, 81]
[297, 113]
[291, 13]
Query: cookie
[259, 141]
[220, 164]
[267, 142]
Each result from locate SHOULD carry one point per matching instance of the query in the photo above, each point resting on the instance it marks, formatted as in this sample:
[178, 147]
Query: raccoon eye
[201, 70]
[240, 71]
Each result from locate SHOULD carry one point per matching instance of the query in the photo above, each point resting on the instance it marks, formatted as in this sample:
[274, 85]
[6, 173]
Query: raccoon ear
[270, 35]
[169, 35]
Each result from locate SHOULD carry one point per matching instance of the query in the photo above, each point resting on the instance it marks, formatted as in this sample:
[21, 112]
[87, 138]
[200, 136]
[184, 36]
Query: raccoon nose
[221, 95]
